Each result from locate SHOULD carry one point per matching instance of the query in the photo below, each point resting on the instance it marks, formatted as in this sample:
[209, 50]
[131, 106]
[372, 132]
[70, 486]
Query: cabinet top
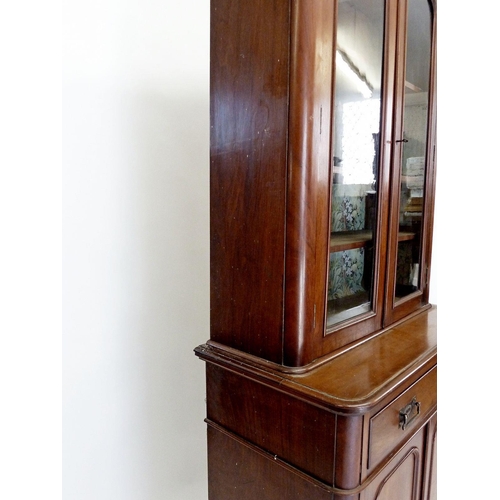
[358, 378]
[362, 376]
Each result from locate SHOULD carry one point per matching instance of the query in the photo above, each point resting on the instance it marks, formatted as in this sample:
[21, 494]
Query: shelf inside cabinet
[349, 240]
[412, 87]
[406, 236]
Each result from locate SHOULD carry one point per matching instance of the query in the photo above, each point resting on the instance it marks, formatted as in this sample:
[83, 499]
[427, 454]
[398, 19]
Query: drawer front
[394, 424]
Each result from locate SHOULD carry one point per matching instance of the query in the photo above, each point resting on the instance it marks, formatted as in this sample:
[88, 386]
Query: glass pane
[414, 146]
[358, 81]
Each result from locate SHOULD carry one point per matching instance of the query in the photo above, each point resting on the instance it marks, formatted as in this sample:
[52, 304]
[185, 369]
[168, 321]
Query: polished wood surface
[248, 141]
[386, 432]
[276, 422]
[272, 73]
[350, 382]
[358, 381]
[297, 411]
[348, 240]
[335, 425]
[239, 471]
[308, 190]
[430, 473]
[348, 452]
[401, 478]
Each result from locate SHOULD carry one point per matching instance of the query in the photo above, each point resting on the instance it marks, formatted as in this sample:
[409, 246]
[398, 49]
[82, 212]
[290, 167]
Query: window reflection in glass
[414, 147]
[358, 81]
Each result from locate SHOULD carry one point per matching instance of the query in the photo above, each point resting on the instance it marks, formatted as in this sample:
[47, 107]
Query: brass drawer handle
[409, 413]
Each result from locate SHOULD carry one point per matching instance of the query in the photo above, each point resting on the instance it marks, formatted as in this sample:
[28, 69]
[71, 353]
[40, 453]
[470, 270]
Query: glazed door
[413, 162]
[359, 169]
[340, 78]
[340, 112]
[354, 249]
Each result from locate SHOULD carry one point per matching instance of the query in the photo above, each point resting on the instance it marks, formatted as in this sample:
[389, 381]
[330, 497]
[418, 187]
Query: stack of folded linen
[415, 168]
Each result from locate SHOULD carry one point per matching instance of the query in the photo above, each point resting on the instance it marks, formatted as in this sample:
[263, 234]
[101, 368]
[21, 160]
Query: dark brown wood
[401, 477]
[318, 343]
[314, 423]
[354, 383]
[430, 181]
[271, 113]
[238, 471]
[348, 452]
[350, 383]
[309, 190]
[297, 411]
[385, 430]
[430, 473]
[307, 230]
[277, 422]
[348, 240]
[395, 310]
[249, 133]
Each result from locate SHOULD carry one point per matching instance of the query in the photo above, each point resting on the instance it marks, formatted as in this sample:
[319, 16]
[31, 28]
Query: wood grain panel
[307, 233]
[348, 451]
[297, 432]
[249, 122]
[239, 472]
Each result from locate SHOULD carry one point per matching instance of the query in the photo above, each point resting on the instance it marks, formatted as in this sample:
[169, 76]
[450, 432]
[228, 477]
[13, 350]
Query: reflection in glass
[414, 146]
[358, 81]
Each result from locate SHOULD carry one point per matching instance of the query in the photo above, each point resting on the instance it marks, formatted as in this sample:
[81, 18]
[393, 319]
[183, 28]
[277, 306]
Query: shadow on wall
[173, 231]
[136, 294]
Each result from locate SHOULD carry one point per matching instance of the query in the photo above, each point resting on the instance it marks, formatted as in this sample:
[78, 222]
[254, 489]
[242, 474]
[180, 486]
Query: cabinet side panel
[296, 432]
[238, 472]
[248, 116]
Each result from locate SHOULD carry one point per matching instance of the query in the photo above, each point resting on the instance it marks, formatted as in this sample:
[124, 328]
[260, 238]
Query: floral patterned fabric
[346, 273]
[348, 210]
[348, 214]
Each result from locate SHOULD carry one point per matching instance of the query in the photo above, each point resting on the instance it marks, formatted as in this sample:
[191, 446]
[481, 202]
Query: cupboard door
[341, 109]
[430, 476]
[401, 477]
[357, 119]
[321, 125]
[413, 162]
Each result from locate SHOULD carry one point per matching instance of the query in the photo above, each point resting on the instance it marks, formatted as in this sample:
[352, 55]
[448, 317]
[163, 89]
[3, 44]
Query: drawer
[387, 431]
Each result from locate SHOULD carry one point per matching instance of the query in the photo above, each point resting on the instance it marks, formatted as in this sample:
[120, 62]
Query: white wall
[135, 248]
